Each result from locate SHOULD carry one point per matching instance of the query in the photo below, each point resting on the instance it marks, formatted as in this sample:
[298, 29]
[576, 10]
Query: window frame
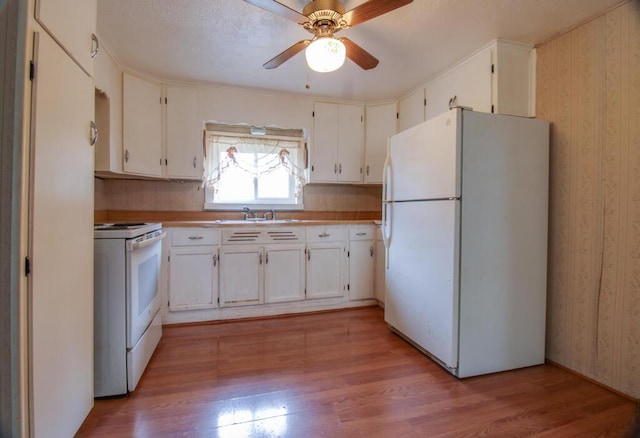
[265, 203]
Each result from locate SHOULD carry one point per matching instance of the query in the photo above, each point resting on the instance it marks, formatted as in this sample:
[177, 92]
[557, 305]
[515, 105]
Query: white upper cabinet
[72, 23]
[411, 110]
[494, 80]
[183, 134]
[380, 125]
[336, 152]
[141, 126]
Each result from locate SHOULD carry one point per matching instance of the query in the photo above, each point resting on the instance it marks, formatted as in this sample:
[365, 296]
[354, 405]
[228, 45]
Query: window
[263, 171]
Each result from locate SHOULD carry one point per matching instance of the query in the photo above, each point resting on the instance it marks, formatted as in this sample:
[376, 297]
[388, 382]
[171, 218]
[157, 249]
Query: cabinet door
[468, 84]
[350, 144]
[381, 124]
[73, 24]
[284, 273]
[241, 275]
[324, 270]
[324, 150]
[184, 134]
[61, 244]
[141, 126]
[193, 278]
[411, 110]
[361, 265]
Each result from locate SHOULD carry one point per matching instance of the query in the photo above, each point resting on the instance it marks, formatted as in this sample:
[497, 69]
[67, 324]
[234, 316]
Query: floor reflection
[246, 422]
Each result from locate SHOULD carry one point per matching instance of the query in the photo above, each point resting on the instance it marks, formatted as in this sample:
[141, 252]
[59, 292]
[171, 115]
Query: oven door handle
[132, 246]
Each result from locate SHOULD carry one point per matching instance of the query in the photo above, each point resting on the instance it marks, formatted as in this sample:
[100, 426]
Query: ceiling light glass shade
[325, 54]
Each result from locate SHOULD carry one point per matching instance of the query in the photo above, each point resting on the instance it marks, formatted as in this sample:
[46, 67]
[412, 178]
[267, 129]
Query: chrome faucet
[248, 211]
[272, 212]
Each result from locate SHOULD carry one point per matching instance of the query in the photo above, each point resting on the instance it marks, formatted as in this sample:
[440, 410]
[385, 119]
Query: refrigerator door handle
[386, 205]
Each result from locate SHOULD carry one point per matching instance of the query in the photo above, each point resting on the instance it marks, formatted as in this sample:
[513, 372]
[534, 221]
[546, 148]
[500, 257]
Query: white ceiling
[227, 41]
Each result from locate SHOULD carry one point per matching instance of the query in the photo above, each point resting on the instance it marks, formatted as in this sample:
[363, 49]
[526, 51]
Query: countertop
[268, 223]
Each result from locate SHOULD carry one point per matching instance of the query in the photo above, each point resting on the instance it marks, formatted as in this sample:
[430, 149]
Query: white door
[350, 144]
[284, 273]
[193, 278]
[61, 244]
[422, 277]
[141, 126]
[381, 124]
[72, 23]
[411, 110]
[184, 133]
[361, 266]
[241, 275]
[324, 270]
[425, 160]
[324, 149]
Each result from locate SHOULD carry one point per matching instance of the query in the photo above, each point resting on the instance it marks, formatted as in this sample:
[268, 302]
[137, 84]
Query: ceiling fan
[324, 18]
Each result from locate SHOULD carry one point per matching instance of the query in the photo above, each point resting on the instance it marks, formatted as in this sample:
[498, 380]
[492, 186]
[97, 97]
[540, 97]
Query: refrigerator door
[422, 276]
[424, 160]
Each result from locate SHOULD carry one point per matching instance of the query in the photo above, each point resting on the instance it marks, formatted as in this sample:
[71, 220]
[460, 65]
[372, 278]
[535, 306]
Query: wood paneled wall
[588, 87]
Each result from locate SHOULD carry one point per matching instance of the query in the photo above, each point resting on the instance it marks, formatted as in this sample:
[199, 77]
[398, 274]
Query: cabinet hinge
[348, 254]
[165, 100]
[425, 101]
[397, 116]
[313, 113]
[492, 109]
[361, 118]
[27, 266]
[32, 70]
[218, 300]
[348, 286]
[493, 68]
[168, 258]
[166, 162]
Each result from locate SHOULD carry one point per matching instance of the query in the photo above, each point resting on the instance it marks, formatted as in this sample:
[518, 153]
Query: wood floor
[341, 374]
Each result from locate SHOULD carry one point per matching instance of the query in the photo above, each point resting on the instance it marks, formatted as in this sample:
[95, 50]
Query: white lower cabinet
[261, 265]
[241, 275]
[361, 262]
[284, 273]
[325, 262]
[193, 269]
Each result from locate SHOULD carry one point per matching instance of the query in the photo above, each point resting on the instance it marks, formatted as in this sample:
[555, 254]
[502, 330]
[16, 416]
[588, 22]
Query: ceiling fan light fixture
[325, 54]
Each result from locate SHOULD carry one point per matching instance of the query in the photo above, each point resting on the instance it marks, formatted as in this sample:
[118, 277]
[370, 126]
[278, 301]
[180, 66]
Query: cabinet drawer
[195, 236]
[361, 233]
[329, 233]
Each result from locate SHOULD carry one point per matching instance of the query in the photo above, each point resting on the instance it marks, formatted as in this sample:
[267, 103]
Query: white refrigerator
[465, 201]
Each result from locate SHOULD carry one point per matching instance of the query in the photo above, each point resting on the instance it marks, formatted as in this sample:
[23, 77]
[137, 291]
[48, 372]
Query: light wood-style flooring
[341, 374]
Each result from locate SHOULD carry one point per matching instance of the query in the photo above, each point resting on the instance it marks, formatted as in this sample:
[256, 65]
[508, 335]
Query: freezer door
[422, 276]
[424, 160]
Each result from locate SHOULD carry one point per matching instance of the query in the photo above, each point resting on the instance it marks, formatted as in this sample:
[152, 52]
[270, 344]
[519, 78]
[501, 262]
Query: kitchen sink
[256, 222]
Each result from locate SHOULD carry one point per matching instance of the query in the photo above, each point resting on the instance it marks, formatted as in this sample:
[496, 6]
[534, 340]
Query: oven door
[143, 276]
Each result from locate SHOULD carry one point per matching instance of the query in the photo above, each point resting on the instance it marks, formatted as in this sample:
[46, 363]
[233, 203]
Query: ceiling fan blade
[372, 9]
[279, 9]
[358, 55]
[286, 55]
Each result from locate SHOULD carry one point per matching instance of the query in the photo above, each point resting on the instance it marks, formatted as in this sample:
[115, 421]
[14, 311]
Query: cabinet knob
[367, 170]
[371, 251]
[340, 168]
[324, 235]
[335, 168]
[194, 162]
[93, 133]
[308, 254]
[260, 258]
[126, 156]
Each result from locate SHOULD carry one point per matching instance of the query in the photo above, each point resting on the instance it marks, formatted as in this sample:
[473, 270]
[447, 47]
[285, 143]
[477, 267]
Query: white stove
[127, 320]
[124, 230]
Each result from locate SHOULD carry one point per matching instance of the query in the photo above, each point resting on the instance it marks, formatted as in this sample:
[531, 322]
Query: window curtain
[277, 148]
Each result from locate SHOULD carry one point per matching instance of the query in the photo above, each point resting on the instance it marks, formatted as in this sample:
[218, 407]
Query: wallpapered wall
[588, 86]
